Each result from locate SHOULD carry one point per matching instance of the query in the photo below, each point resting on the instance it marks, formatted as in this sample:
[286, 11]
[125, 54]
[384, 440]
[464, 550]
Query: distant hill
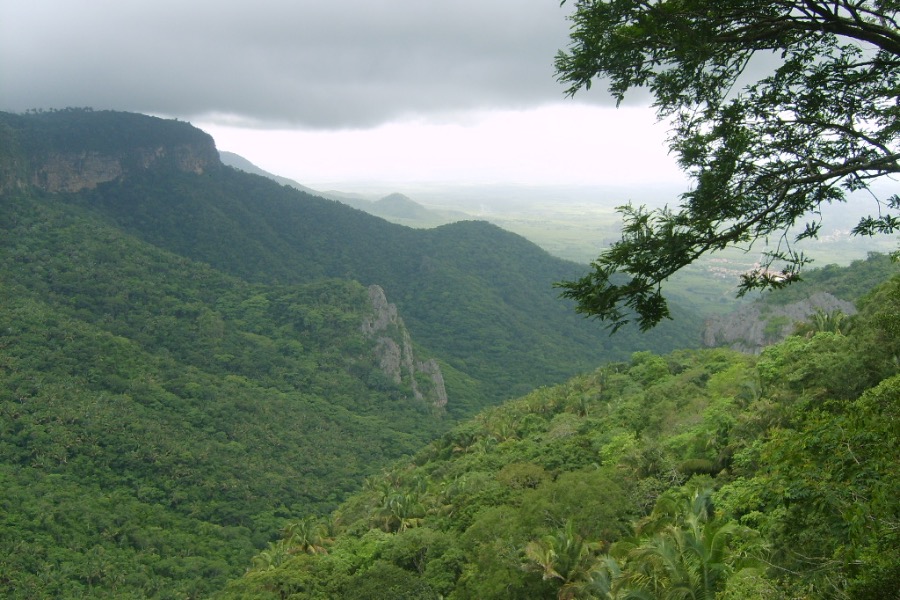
[401, 207]
[237, 161]
[395, 207]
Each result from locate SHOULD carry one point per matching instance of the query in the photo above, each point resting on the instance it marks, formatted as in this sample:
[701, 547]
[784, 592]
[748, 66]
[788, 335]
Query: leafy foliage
[160, 421]
[698, 474]
[182, 366]
[176, 388]
[763, 154]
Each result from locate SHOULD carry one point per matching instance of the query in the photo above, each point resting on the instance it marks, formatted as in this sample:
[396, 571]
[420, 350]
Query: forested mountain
[187, 359]
[197, 368]
[477, 297]
[696, 474]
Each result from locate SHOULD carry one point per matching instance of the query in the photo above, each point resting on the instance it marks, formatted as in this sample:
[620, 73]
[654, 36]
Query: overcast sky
[459, 91]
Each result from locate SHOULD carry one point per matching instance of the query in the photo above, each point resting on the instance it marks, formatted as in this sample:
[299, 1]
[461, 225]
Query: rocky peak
[394, 352]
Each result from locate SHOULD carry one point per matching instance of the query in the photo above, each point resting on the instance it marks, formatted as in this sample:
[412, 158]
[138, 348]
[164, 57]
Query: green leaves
[821, 122]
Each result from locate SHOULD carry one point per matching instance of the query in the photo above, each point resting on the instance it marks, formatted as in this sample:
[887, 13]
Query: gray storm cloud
[355, 63]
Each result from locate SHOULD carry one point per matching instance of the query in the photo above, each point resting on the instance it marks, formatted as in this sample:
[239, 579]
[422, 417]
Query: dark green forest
[182, 365]
[189, 406]
[478, 297]
[695, 474]
[160, 419]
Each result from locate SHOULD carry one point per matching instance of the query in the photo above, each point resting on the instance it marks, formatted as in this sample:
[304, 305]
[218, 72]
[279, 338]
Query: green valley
[521, 346]
[212, 385]
[184, 358]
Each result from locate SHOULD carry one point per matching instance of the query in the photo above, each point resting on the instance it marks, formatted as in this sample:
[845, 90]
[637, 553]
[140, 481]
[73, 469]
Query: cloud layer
[282, 63]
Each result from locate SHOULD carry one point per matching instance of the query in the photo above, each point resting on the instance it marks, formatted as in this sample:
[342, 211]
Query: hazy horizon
[349, 93]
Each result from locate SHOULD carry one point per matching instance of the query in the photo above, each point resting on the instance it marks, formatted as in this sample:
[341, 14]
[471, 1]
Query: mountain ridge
[476, 296]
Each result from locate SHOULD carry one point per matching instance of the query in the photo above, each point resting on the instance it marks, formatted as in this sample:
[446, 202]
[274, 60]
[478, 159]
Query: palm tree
[686, 554]
[304, 536]
[564, 556]
[270, 558]
[400, 511]
[835, 321]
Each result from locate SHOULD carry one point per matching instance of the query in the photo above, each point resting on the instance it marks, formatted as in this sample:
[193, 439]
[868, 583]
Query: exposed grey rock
[76, 171]
[749, 330]
[394, 352]
[431, 368]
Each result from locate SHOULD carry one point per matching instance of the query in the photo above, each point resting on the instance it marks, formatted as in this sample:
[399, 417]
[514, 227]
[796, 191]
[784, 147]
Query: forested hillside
[476, 296]
[183, 363]
[695, 474]
[187, 382]
[160, 420]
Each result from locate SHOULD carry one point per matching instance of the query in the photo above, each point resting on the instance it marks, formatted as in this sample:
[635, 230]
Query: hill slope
[160, 420]
[183, 363]
[695, 474]
[477, 297]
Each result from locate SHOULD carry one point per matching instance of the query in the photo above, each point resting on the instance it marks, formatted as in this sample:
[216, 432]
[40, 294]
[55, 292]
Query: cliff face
[75, 171]
[394, 352]
[750, 330]
[95, 148]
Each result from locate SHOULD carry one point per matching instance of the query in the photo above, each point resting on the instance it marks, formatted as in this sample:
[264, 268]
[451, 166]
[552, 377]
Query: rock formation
[97, 148]
[394, 352]
[749, 329]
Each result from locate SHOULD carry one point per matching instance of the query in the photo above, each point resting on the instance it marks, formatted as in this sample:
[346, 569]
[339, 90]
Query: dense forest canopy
[183, 367]
[778, 108]
[188, 398]
[697, 474]
[159, 420]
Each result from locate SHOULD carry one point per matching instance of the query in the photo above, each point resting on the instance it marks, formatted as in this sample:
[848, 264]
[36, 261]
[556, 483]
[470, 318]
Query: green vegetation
[160, 421]
[763, 147]
[696, 474]
[189, 408]
[847, 283]
[478, 297]
[182, 363]
[39, 134]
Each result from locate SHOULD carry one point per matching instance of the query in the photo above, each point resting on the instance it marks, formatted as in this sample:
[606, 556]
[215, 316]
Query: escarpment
[91, 149]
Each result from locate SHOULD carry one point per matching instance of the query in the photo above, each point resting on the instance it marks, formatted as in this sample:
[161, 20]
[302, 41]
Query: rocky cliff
[95, 148]
[755, 326]
[394, 352]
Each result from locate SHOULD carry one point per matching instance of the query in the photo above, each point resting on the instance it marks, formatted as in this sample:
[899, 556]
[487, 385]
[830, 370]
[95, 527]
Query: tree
[564, 556]
[826, 496]
[305, 536]
[764, 153]
[684, 550]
